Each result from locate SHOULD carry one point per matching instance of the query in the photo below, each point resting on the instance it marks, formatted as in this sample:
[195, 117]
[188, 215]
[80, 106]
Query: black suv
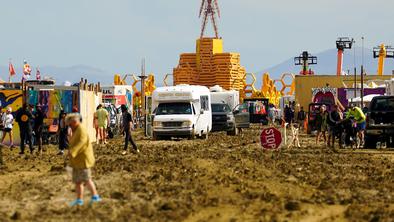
[380, 121]
[231, 121]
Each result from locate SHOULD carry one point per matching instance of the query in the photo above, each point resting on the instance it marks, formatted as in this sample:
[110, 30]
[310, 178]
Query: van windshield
[174, 108]
[218, 108]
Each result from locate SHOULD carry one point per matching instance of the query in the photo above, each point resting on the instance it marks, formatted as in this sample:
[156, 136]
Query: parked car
[380, 122]
[225, 119]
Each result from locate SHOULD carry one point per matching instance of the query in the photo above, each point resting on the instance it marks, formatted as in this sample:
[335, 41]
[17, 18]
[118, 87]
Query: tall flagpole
[9, 73]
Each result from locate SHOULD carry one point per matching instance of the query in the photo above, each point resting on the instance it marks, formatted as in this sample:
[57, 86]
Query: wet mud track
[223, 178]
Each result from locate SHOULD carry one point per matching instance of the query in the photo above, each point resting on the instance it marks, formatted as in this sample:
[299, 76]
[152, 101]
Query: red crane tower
[342, 44]
[209, 8]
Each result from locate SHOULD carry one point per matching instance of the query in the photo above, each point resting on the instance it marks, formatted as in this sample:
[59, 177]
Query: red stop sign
[271, 138]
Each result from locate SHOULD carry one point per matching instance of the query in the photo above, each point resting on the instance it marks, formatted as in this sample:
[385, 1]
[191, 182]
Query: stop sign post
[271, 139]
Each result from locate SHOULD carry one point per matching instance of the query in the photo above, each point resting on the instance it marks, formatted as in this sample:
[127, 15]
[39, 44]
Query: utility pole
[355, 70]
[362, 75]
[143, 107]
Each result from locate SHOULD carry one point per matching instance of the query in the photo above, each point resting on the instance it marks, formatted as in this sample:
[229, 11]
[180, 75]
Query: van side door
[206, 115]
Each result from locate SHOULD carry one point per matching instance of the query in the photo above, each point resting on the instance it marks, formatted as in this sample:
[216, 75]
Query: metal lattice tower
[209, 8]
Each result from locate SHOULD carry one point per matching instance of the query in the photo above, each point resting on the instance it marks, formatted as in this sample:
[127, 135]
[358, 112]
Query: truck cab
[181, 111]
[380, 121]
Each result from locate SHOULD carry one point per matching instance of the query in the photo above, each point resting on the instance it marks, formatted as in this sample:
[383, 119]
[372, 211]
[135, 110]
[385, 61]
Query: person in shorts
[102, 121]
[81, 160]
[360, 118]
[8, 122]
[1, 121]
[95, 125]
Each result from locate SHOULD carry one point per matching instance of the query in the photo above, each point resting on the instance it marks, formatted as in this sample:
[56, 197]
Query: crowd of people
[72, 136]
[329, 124]
[335, 123]
[30, 120]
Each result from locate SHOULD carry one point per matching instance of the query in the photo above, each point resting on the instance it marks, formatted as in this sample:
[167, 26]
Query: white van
[181, 111]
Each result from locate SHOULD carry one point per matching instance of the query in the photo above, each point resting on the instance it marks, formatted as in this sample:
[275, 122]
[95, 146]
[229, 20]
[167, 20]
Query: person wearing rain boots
[81, 160]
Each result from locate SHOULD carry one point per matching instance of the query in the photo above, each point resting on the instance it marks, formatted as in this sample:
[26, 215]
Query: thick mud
[220, 179]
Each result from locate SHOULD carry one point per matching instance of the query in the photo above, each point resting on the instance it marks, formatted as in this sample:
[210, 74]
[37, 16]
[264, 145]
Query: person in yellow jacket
[81, 160]
[360, 119]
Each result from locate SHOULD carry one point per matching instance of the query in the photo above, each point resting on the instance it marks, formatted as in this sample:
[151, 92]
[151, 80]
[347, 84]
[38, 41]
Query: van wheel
[192, 136]
[154, 137]
[205, 136]
[233, 132]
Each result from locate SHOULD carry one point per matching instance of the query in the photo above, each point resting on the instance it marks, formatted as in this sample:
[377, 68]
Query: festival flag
[38, 74]
[11, 69]
[26, 68]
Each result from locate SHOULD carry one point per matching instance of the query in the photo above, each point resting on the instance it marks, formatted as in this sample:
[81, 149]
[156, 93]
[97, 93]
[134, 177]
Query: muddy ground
[221, 179]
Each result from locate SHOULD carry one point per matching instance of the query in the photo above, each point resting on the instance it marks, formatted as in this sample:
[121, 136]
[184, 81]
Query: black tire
[192, 135]
[370, 142]
[233, 132]
[206, 135]
[154, 137]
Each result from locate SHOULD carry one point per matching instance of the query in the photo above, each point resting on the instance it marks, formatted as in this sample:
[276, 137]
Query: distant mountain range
[72, 74]
[327, 63]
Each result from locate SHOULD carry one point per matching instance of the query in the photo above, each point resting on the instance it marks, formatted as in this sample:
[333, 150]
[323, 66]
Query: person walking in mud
[39, 117]
[360, 118]
[8, 122]
[102, 121]
[128, 126]
[81, 160]
[301, 116]
[24, 119]
[63, 133]
[2, 113]
[271, 114]
[321, 125]
[288, 114]
[95, 125]
[333, 121]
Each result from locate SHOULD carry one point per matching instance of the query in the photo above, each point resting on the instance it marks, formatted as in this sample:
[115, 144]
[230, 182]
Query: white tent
[366, 99]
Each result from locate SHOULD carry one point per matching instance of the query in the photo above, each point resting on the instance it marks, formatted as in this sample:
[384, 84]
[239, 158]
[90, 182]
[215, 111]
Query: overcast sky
[114, 35]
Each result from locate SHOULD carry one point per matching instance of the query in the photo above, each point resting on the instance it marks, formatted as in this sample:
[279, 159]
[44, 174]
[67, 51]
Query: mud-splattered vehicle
[380, 122]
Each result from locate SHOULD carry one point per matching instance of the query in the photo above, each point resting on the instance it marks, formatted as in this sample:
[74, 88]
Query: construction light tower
[305, 60]
[342, 44]
[382, 52]
[209, 8]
